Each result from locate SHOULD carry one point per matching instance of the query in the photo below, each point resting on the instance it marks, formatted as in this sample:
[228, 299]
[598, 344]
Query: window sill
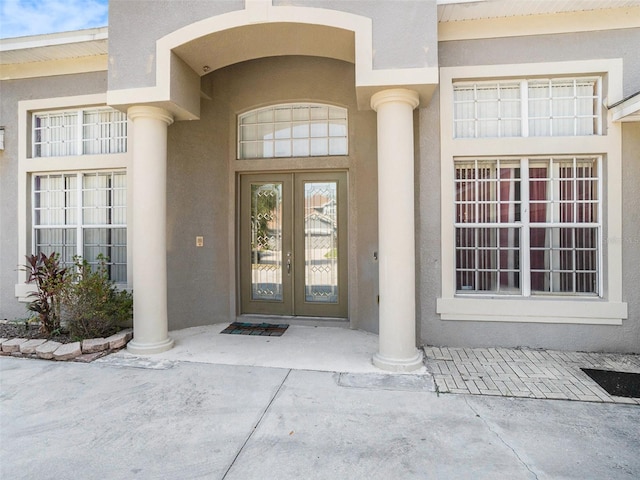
[24, 290]
[585, 311]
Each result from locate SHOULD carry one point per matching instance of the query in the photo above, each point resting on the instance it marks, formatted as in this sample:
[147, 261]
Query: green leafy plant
[52, 280]
[94, 307]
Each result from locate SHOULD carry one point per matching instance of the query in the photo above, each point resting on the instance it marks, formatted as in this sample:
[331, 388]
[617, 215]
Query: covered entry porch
[184, 57]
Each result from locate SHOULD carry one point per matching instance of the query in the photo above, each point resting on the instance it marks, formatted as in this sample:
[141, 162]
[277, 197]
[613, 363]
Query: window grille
[83, 214]
[528, 226]
[527, 108]
[79, 132]
[293, 130]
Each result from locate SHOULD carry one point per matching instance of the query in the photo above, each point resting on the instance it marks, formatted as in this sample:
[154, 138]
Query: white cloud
[32, 17]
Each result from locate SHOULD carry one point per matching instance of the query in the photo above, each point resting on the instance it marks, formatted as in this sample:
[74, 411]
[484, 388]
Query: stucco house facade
[460, 173]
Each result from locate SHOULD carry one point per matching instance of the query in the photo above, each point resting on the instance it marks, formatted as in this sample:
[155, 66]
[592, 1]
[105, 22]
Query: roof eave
[627, 110]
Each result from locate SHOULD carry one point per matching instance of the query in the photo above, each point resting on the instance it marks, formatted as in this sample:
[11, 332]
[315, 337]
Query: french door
[293, 244]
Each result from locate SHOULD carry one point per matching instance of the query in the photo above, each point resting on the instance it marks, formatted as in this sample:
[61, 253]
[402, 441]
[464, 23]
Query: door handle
[288, 263]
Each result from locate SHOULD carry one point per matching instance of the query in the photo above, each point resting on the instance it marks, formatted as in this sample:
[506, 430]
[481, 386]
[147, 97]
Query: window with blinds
[79, 132]
[82, 214]
[527, 108]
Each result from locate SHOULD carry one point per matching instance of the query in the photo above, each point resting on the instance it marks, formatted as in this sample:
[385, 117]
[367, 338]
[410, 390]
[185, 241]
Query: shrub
[94, 307]
[51, 280]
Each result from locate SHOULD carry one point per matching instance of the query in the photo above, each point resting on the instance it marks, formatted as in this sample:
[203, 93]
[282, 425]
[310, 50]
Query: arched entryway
[192, 52]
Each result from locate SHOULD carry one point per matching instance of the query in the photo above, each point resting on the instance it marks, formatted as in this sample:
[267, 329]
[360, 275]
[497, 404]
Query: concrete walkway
[309, 405]
[506, 372]
[166, 419]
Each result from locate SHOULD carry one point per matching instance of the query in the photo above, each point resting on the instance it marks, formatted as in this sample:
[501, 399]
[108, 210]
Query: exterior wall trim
[50, 68]
[608, 310]
[586, 312]
[566, 22]
[368, 80]
[28, 165]
[627, 110]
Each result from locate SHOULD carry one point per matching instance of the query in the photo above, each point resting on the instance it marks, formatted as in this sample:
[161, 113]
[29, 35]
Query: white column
[149, 234]
[396, 232]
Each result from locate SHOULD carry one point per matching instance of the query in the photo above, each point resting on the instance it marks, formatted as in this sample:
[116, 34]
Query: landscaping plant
[94, 307]
[51, 279]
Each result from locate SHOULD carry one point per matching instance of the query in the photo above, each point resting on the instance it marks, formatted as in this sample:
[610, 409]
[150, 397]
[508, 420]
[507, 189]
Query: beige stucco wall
[201, 190]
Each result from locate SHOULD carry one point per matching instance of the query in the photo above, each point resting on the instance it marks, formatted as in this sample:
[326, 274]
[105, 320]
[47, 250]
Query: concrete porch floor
[328, 349]
[507, 372]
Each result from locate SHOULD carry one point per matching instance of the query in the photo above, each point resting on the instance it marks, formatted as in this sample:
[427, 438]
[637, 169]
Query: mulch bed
[30, 331]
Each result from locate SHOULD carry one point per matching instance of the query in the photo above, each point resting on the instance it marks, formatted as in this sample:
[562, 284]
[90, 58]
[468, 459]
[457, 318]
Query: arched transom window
[293, 130]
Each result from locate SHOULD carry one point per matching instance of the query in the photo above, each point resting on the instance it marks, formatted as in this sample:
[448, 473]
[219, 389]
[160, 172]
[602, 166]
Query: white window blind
[83, 214]
[293, 130]
[527, 108]
[79, 132]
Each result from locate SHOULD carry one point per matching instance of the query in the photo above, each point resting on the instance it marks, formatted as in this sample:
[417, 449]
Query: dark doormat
[619, 384]
[260, 329]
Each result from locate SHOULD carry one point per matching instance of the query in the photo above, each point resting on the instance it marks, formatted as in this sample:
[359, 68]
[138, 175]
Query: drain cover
[619, 384]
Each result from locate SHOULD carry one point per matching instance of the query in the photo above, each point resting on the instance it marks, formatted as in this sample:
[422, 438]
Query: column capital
[404, 95]
[146, 111]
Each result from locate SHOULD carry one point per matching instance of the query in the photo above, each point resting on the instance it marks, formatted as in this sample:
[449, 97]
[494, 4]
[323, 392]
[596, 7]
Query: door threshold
[295, 320]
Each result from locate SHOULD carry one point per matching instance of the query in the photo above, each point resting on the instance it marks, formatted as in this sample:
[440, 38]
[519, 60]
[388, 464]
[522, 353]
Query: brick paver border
[526, 373]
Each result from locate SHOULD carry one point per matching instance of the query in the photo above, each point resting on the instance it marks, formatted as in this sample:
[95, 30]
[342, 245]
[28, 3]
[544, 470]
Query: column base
[140, 348]
[398, 364]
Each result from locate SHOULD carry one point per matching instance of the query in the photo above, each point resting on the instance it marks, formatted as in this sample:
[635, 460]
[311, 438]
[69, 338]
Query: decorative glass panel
[293, 130]
[321, 242]
[266, 242]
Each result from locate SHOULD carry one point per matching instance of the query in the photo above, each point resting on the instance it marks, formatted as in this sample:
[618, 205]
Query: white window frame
[523, 99]
[29, 165]
[44, 148]
[606, 309]
[291, 123]
[524, 225]
[79, 226]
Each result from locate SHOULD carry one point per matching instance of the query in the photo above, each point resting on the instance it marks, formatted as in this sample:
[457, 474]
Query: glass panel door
[320, 242]
[265, 233]
[293, 239]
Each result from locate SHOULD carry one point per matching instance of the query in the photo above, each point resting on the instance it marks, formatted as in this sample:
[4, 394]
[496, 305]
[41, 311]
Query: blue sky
[32, 17]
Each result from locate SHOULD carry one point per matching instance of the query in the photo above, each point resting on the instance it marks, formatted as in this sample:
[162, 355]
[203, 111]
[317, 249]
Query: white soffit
[460, 10]
[55, 46]
[627, 110]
